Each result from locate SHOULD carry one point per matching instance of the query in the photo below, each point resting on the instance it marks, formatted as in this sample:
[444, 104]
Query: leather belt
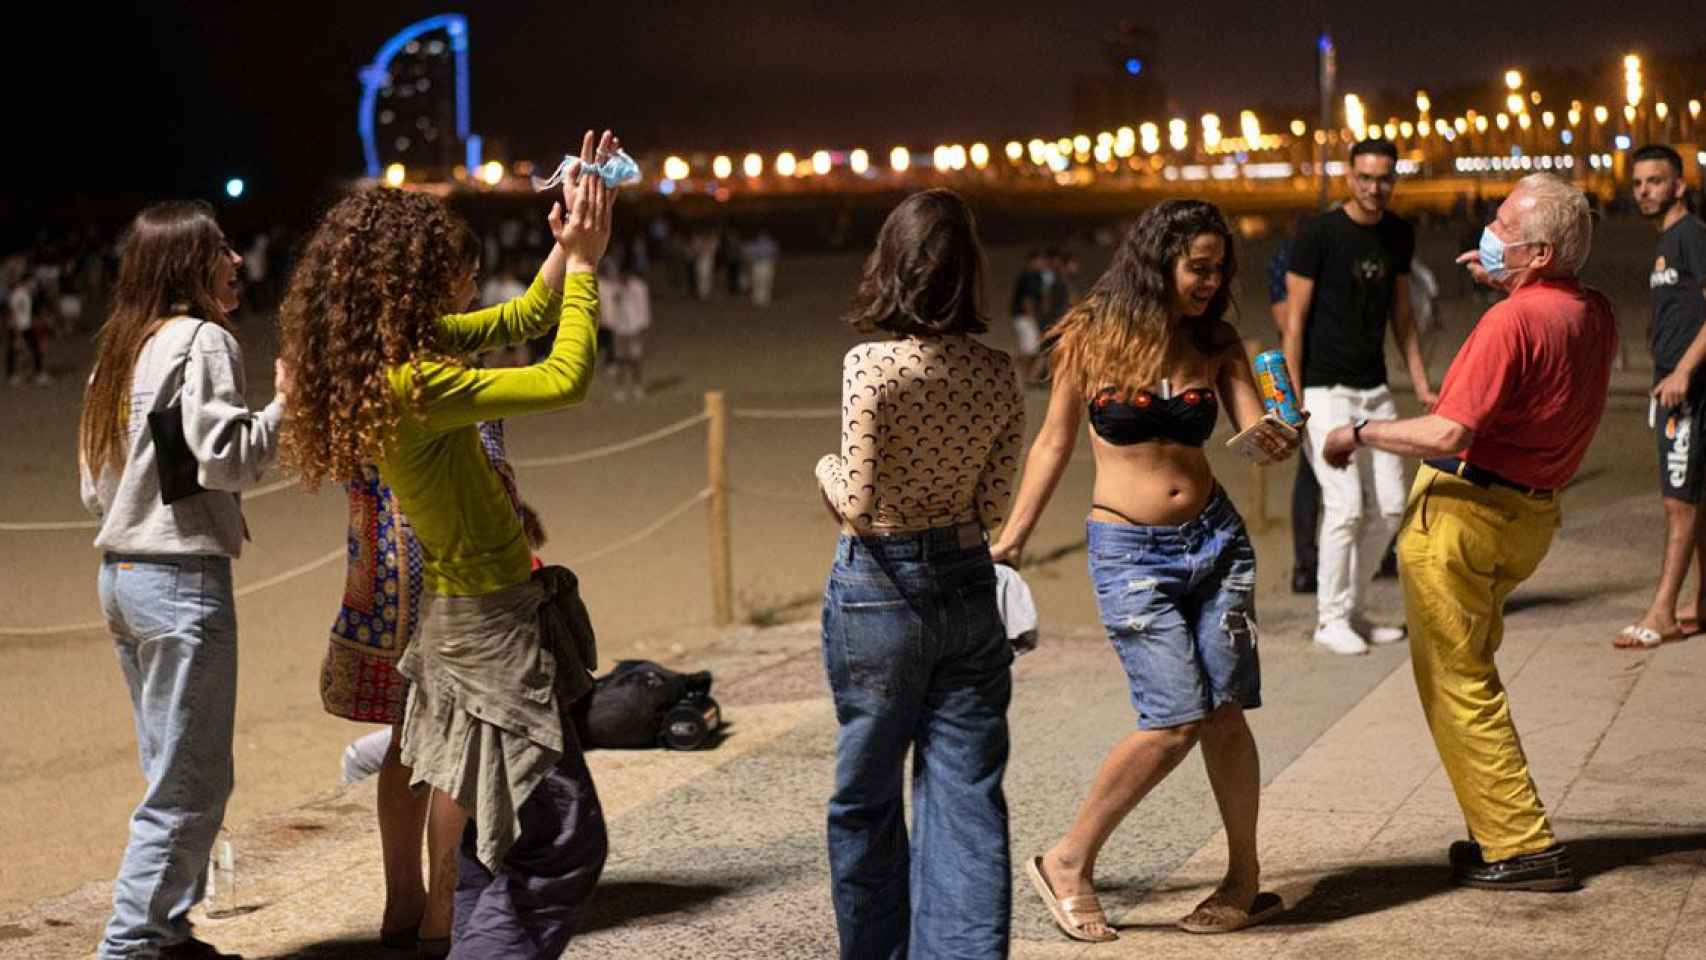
[1483, 478]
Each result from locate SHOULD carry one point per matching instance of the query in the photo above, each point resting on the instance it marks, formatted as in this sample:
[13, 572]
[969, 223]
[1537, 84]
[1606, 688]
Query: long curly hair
[925, 276]
[377, 272]
[171, 253]
[1122, 333]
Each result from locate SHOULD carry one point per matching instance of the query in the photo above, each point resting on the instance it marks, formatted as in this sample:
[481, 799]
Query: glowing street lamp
[1513, 79]
[1600, 114]
[859, 161]
[820, 162]
[1694, 109]
[980, 155]
[1354, 116]
[899, 159]
[674, 168]
[1661, 110]
[722, 167]
[1178, 133]
[1015, 151]
[1503, 121]
[1251, 128]
[786, 164]
[1632, 85]
[942, 158]
[1629, 113]
[1080, 144]
[1406, 130]
[1547, 119]
[1150, 134]
[752, 165]
[1423, 102]
[234, 187]
[1210, 131]
[1037, 151]
[1524, 121]
[1514, 104]
[1461, 125]
[1299, 128]
[394, 175]
[1481, 123]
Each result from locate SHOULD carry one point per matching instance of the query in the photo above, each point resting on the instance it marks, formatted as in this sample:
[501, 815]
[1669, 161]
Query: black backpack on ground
[640, 704]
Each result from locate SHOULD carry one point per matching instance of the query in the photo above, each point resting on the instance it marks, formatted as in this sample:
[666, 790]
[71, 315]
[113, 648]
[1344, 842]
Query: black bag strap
[184, 361]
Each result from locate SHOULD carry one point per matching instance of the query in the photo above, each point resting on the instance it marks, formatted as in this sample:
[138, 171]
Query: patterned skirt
[382, 593]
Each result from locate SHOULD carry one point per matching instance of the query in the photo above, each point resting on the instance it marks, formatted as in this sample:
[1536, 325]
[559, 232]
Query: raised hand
[583, 231]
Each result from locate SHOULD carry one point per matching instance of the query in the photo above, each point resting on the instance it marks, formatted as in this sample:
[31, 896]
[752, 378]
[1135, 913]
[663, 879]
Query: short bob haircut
[925, 277]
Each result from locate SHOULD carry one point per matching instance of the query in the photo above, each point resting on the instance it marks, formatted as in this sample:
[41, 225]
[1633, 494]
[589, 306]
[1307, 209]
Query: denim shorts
[1179, 604]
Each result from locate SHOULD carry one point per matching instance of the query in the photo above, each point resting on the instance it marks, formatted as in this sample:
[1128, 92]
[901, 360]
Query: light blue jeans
[174, 624]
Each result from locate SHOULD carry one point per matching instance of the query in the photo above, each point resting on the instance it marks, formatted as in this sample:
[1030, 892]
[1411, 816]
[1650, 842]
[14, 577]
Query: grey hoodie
[232, 444]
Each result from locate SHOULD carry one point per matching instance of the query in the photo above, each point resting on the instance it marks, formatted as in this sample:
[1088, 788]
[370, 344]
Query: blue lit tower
[1126, 86]
[414, 99]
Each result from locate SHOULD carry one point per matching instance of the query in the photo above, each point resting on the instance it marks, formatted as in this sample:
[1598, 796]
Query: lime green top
[471, 539]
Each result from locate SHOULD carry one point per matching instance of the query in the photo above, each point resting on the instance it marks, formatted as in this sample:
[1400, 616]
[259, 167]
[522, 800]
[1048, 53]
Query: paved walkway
[720, 853]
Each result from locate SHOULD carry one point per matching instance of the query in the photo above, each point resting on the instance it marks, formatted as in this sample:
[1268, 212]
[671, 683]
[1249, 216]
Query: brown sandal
[1071, 914]
[1216, 915]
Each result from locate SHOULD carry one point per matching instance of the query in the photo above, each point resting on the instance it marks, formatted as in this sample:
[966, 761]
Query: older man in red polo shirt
[1514, 419]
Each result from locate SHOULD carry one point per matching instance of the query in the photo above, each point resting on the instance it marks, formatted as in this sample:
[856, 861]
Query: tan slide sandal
[1215, 915]
[1071, 914]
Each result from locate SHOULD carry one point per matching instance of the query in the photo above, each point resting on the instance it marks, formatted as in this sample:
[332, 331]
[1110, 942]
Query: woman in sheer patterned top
[932, 427]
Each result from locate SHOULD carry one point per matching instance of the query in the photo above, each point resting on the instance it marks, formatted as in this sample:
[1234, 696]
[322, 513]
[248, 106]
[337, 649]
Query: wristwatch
[1356, 430]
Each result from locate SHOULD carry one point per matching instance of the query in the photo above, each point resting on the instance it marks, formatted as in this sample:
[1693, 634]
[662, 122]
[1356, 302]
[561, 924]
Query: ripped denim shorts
[1179, 603]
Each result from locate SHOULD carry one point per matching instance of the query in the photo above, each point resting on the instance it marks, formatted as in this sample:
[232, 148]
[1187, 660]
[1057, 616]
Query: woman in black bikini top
[1173, 567]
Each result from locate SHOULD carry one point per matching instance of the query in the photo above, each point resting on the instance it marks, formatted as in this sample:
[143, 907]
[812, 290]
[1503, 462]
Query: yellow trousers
[1462, 550]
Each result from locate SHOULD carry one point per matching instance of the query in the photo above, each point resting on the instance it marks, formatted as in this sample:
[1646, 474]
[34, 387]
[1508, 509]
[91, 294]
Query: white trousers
[1361, 505]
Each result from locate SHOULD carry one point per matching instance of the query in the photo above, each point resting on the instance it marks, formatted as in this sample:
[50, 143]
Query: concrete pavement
[720, 853]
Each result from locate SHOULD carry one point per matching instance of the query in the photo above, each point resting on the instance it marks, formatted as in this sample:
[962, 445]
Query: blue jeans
[917, 657]
[1179, 604]
[174, 624]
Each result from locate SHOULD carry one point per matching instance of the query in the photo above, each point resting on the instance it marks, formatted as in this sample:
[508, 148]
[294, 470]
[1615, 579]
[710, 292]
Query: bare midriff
[1155, 483]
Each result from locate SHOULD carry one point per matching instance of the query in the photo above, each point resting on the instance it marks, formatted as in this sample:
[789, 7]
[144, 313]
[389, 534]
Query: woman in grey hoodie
[165, 581]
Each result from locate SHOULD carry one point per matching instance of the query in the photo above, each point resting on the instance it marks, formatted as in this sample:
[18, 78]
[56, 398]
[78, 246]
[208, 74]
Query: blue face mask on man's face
[1492, 253]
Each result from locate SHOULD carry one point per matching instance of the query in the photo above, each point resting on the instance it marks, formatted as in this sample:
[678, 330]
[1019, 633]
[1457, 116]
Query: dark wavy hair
[170, 256]
[373, 278]
[1122, 333]
[925, 277]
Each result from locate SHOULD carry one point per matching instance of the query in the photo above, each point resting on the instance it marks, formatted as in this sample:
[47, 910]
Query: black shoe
[1549, 870]
[193, 949]
[1302, 581]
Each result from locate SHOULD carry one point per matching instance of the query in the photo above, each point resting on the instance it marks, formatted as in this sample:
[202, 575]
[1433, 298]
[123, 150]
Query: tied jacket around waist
[492, 677]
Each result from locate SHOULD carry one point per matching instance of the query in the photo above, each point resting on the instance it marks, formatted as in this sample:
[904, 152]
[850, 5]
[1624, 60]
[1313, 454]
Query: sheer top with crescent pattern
[931, 434]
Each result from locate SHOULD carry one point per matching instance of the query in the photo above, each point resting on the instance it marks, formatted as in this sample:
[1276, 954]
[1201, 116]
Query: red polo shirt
[1531, 381]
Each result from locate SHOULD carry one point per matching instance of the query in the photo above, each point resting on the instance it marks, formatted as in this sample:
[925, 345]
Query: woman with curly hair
[932, 424]
[370, 342]
[379, 616]
[165, 579]
[1149, 358]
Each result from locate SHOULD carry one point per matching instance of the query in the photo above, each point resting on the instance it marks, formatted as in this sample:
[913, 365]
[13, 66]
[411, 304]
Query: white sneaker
[1376, 634]
[1339, 638]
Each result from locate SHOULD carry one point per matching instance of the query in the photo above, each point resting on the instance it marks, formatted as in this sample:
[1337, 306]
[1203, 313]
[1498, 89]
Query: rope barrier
[752, 413]
[613, 448]
[650, 528]
[773, 497]
[343, 552]
[52, 525]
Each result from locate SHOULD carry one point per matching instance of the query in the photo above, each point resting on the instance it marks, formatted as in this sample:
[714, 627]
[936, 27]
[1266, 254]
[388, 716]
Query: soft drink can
[1274, 384]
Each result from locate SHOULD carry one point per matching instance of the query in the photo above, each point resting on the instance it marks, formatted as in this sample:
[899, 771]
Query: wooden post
[717, 471]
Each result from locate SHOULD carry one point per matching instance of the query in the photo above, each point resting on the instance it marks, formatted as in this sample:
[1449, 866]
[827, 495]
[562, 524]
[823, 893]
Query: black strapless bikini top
[1125, 417]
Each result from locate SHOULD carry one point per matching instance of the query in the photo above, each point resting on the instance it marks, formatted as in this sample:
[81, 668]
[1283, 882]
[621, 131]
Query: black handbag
[173, 458]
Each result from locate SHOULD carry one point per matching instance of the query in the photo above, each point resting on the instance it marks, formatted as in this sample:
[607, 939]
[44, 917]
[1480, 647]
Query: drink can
[1274, 384]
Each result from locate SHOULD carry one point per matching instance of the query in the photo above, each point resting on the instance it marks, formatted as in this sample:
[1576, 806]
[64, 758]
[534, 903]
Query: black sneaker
[1302, 581]
[193, 949]
[1549, 870]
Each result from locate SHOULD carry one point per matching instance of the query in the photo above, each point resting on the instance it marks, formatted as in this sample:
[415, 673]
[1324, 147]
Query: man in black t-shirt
[1678, 282]
[1348, 280]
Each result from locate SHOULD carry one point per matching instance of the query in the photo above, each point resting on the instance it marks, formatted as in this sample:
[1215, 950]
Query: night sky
[171, 98]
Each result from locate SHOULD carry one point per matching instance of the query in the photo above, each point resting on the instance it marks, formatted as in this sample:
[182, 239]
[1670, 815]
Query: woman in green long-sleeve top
[370, 343]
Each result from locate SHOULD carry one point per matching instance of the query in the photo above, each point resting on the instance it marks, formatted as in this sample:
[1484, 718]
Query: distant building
[1126, 86]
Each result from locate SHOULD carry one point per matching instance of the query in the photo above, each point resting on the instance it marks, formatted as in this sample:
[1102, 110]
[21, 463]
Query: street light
[1632, 85]
[786, 164]
[1015, 151]
[1210, 131]
[722, 167]
[1513, 103]
[394, 175]
[1600, 114]
[752, 165]
[820, 162]
[1423, 103]
[1354, 116]
[859, 161]
[1299, 128]
[980, 155]
[1178, 133]
[1513, 79]
[234, 187]
[674, 168]
[899, 159]
[1251, 127]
